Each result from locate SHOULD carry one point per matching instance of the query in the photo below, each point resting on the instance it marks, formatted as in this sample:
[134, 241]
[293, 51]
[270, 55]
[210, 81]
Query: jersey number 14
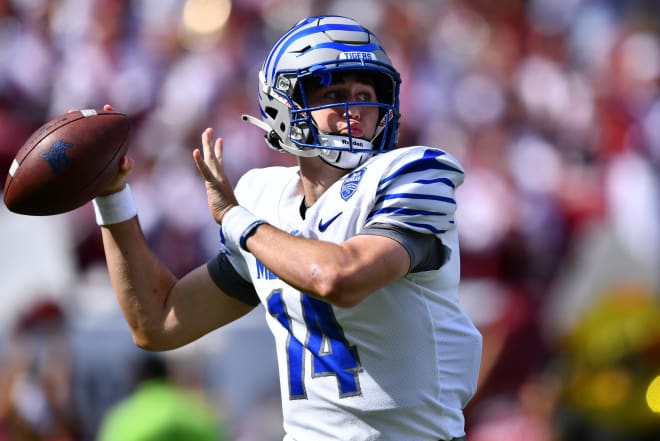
[332, 354]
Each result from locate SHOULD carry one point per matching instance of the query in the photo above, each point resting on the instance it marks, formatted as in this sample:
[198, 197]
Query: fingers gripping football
[219, 192]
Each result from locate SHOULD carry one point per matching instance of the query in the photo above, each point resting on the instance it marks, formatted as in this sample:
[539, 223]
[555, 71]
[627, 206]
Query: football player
[353, 252]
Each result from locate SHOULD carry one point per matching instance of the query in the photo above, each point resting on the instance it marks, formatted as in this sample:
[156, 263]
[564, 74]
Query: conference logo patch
[350, 184]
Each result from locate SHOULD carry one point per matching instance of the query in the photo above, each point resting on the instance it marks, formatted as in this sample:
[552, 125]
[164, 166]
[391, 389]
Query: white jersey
[402, 364]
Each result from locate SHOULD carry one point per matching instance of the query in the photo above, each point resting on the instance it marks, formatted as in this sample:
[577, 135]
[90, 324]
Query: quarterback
[353, 253]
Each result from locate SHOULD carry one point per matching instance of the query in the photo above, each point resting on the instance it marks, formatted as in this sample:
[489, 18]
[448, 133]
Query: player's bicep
[426, 251]
[230, 281]
[376, 260]
[197, 306]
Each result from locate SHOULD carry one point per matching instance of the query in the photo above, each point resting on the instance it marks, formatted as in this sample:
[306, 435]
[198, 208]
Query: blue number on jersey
[333, 355]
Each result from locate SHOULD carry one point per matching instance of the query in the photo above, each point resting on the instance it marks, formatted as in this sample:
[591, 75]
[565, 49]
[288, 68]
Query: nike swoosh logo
[324, 225]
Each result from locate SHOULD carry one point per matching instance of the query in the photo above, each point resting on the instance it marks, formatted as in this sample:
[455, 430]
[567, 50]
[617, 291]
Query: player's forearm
[341, 274]
[317, 270]
[140, 282]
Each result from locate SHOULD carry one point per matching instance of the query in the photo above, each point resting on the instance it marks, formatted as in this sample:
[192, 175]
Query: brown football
[66, 162]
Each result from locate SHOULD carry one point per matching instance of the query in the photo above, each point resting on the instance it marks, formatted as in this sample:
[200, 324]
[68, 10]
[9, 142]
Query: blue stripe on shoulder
[448, 182]
[428, 227]
[404, 212]
[431, 197]
[428, 161]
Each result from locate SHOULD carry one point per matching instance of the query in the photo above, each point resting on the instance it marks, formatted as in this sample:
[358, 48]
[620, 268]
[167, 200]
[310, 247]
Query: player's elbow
[152, 345]
[143, 341]
[146, 345]
[152, 340]
[332, 284]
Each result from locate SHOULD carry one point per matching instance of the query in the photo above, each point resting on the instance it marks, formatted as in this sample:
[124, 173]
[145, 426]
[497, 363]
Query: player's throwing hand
[219, 191]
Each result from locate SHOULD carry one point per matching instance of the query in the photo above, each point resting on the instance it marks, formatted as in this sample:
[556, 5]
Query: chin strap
[350, 160]
[341, 141]
[344, 160]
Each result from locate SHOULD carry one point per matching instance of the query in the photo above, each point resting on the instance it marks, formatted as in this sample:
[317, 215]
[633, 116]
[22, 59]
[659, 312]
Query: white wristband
[115, 207]
[238, 225]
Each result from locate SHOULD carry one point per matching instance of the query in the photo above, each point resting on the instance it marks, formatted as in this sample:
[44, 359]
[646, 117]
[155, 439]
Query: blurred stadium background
[553, 107]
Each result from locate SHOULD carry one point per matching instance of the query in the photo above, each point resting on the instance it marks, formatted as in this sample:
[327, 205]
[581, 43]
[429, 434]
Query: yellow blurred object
[653, 395]
[610, 377]
[621, 323]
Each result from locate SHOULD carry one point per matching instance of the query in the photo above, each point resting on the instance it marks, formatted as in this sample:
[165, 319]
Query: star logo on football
[56, 157]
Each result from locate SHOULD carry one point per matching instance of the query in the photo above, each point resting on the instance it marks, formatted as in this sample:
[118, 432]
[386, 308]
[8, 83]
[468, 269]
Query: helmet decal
[357, 56]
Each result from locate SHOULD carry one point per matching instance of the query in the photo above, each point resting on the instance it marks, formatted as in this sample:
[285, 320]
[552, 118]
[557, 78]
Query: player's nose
[351, 111]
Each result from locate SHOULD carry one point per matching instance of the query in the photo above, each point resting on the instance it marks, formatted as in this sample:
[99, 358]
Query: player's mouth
[355, 130]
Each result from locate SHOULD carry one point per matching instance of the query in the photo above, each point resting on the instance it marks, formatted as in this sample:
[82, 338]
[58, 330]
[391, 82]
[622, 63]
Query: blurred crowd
[552, 106]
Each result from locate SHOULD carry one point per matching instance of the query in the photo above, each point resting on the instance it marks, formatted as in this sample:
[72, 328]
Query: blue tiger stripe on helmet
[291, 36]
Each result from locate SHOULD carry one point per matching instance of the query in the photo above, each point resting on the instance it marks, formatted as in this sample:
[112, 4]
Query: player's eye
[365, 96]
[332, 95]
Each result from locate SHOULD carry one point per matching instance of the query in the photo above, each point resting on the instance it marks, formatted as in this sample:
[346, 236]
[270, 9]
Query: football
[66, 162]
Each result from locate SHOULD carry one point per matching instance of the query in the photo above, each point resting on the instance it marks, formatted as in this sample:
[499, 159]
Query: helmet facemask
[342, 150]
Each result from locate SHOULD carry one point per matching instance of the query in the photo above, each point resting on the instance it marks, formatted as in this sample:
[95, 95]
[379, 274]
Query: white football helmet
[319, 47]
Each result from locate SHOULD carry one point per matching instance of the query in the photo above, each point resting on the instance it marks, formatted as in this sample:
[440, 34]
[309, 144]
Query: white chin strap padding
[344, 160]
[345, 142]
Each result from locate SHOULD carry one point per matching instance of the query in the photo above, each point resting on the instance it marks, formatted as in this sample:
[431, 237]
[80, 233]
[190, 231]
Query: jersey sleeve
[228, 269]
[417, 192]
[225, 276]
[425, 254]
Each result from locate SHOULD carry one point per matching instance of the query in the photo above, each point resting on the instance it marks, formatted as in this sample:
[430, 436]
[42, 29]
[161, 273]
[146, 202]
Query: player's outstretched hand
[219, 192]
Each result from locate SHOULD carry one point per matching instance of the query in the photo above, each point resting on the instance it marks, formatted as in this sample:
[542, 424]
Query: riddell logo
[354, 143]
